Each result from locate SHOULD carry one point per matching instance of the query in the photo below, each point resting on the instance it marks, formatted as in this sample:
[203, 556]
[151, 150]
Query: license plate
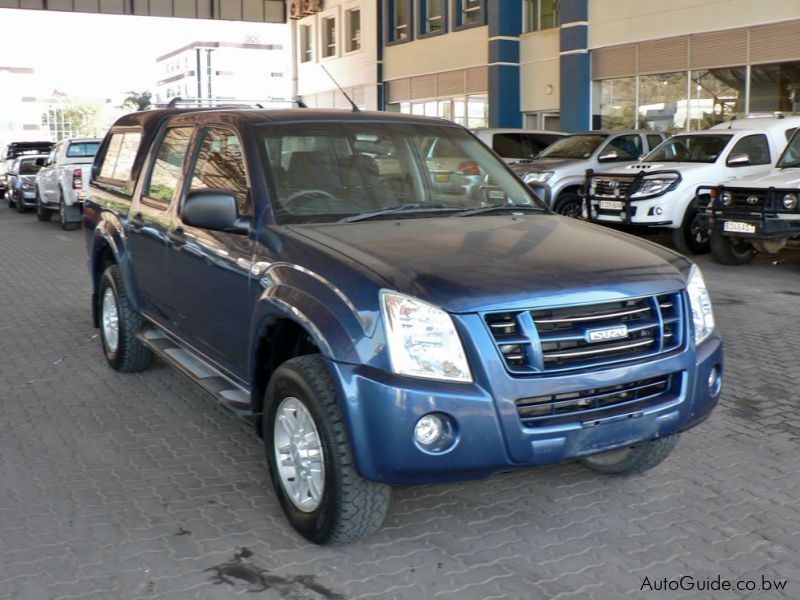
[611, 205]
[739, 227]
[442, 177]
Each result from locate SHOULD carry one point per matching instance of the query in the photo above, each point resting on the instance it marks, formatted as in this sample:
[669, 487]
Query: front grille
[740, 204]
[605, 187]
[559, 339]
[599, 402]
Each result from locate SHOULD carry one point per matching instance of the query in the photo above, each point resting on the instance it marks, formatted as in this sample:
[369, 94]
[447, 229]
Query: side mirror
[214, 210]
[739, 159]
[608, 156]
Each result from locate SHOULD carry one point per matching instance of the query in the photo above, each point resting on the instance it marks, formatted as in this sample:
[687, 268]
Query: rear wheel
[42, 213]
[569, 204]
[731, 251]
[636, 459]
[692, 237]
[119, 324]
[308, 451]
[63, 214]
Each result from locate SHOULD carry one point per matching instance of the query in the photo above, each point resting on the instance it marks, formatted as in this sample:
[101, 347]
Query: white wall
[613, 22]
[353, 69]
[448, 52]
[539, 71]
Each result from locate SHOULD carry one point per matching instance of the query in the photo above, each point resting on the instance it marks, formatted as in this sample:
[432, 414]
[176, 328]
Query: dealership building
[550, 64]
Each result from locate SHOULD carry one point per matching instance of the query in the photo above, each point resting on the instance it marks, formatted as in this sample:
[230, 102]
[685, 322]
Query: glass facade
[469, 111]
[697, 99]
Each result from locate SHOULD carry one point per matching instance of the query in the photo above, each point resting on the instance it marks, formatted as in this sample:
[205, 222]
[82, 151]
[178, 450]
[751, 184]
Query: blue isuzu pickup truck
[386, 318]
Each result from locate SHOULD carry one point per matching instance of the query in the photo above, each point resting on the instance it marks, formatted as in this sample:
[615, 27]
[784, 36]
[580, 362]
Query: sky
[104, 56]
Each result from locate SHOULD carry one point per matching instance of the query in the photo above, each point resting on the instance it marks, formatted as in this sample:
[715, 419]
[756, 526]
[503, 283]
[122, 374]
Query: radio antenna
[349, 99]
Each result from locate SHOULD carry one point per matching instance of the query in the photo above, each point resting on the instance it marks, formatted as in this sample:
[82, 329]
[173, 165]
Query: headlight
[422, 340]
[537, 177]
[652, 186]
[790, 201]
[727, 198]
[700, 302]
[27, 185]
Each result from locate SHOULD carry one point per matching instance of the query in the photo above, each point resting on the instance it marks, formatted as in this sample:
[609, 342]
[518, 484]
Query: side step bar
[228, 393]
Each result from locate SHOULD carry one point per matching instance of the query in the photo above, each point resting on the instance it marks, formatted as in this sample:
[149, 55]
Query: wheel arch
[107, 248]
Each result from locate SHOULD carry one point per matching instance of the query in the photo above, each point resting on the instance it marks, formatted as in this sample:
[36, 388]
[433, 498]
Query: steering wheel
[307, 195]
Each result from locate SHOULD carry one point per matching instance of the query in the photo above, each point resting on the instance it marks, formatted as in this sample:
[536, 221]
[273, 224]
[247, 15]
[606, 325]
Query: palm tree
[138, 101]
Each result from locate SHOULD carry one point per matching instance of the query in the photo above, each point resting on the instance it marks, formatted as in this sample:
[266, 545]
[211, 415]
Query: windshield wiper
[400, 208]
[496, 207]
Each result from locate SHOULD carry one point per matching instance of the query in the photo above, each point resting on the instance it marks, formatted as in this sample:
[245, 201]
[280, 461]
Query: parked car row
[52, 178]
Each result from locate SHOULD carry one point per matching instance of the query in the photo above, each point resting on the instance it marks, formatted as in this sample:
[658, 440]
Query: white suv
[659, 190]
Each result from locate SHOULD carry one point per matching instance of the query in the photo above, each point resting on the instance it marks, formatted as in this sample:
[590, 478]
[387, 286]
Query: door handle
[177, 237]
[137, 221]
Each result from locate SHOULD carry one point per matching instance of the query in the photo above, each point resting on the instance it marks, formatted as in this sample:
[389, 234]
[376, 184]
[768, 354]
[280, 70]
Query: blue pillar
[575, 104]
[505, 25]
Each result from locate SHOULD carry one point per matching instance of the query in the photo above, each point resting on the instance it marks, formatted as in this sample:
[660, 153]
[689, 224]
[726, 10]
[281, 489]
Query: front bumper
[650, 212]
[764, 227]
[381, 410]
[543, 192]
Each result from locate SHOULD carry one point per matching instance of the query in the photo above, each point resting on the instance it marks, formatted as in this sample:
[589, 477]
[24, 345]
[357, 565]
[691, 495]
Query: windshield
[324, 172]
[574, 146]
[690, 148]
[791, 155]
[29, 167]
[82, 149]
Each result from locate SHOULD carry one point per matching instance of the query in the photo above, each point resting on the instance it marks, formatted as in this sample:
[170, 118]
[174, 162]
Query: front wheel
[636, 459]
[20, 202]
[731, 251]
[309, 456]
[119, 324]
[692, 237]
[569, 204]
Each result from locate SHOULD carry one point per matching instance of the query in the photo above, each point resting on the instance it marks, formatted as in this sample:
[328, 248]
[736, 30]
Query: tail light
[77, 179]
[468, 167]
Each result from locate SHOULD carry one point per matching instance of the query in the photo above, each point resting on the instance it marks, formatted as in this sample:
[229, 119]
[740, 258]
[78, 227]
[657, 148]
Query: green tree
[138, 101]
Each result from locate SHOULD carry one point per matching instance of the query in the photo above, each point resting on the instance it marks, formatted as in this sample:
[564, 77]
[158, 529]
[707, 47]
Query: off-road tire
[731, 251]
[569, 204]
[131, 356]
[42, 213]
[637, 459]
[66, 224]
[351, 506]
[685, 237]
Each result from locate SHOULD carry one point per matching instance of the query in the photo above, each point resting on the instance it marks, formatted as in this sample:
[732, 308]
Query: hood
[685, 168]
[502, 262]
[778, 178]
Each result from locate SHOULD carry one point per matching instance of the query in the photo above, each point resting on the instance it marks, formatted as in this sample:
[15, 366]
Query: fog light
[714, 382]
[659, 210]
[428, 430]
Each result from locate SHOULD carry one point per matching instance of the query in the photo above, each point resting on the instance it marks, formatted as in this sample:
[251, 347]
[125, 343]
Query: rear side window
[120, 155]
[168, 165]
[790, 133]
[755, 146]
[82, 149]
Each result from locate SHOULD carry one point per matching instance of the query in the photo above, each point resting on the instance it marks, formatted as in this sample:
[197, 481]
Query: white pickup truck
[659, 190]
[63, 183]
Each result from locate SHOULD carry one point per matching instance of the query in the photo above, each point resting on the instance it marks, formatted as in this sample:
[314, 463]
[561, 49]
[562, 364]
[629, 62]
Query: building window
[470, 111]
[663, 105]
[399, 20]
[306, 49]
[618, 103]
[471, 12]
[775, 87]
[329, 37]
[540, 14]
[433, 12]
[353, 23]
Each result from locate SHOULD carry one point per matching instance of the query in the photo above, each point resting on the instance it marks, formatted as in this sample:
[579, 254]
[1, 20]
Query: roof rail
[178, 101]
